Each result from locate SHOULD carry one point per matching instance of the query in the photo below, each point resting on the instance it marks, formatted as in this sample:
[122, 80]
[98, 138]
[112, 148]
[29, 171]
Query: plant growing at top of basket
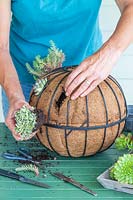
[53, 60]
[42, 66]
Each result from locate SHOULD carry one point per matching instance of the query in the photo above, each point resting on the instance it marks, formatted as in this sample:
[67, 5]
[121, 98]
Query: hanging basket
[83, 126]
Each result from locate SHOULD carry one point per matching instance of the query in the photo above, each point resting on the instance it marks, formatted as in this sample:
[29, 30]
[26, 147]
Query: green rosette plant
[122, 171]
[124, 142]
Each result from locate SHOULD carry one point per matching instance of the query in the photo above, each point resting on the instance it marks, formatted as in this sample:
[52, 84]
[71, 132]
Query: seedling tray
[108, 183]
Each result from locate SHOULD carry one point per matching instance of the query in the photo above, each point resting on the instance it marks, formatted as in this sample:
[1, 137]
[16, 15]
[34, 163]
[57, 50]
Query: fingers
[10, 123]
[74, 74]
[83, 87]
[75, 83]
[79, 79]
[31, 135]
[10, 120]
[90, 88]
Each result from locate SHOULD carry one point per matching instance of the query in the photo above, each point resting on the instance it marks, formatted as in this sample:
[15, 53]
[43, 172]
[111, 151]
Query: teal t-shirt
[72, 24]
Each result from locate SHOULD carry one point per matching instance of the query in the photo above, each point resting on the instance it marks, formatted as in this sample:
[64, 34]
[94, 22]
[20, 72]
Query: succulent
[55, 57]
[122, 171]
[53, 60]
[29, 167]
[38, 68]
[124, 142]
[39, 85]
[25, 119]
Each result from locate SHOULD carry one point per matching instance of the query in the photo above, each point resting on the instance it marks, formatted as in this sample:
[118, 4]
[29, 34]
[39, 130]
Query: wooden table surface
[84, 170]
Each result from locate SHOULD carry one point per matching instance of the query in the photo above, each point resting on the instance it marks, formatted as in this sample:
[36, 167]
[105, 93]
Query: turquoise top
[72, 24]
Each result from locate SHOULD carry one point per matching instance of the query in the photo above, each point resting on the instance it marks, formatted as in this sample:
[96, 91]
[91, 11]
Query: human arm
[8, 75]
[97, 67]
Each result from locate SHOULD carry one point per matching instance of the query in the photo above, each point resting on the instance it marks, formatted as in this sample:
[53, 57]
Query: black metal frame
[68, 129]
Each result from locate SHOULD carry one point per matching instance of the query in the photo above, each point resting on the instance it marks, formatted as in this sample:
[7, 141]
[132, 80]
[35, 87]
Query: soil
[40, 118]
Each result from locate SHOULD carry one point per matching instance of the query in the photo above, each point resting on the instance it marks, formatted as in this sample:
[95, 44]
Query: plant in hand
[25, 122]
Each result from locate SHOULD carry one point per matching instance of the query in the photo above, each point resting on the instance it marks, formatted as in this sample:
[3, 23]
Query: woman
[73, 25]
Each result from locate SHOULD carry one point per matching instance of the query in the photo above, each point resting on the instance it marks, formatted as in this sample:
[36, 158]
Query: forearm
[8, 77]
[123, 34]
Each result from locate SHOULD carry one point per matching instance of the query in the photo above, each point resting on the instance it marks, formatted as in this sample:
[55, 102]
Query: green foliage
[122, 171]
[53, 60]
[39, 85]
[29, 167]
[38, 68]
[124, 142]
[25, 122]
[55, 57]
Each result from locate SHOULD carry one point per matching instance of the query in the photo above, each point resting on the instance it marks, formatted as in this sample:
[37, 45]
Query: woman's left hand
[91, 72]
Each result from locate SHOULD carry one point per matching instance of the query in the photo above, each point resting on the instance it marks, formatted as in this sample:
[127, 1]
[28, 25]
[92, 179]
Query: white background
[123, 72]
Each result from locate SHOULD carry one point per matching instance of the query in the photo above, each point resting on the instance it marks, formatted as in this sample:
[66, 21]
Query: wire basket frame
[85, 126]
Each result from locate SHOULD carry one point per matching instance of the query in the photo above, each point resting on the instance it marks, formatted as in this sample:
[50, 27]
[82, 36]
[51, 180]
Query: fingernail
[67, 94]
[73, 98]
[82, 95]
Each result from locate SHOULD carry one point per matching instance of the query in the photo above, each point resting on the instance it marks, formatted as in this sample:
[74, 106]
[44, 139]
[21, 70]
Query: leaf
[32, 71]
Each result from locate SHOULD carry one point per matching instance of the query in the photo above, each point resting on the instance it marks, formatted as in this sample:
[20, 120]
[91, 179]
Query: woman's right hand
[15, 105]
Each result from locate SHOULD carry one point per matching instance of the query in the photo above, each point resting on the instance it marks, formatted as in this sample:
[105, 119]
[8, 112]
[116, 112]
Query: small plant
[29, 167]
[122, 171]
[25, 119]
[124, 142]
[53, 60]
[42, 66]
[39, 85]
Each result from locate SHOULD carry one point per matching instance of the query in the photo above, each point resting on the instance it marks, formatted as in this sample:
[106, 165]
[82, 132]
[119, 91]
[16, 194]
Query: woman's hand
[16, 104]
[91, 72]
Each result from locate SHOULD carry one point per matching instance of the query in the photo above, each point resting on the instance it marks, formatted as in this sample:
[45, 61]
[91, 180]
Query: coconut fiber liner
[83, 126]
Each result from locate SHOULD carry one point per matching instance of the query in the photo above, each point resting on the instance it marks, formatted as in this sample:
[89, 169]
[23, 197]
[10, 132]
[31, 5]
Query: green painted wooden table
[84, 170]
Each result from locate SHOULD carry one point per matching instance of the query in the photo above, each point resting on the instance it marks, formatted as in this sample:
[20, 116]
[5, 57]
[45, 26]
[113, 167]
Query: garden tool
[21, 178]
[24, 156]
[73, 182]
